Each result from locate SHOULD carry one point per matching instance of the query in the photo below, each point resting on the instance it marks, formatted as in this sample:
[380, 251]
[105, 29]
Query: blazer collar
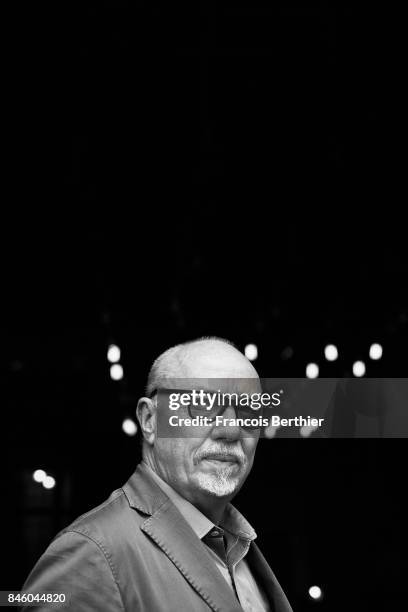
[167, 528]
[267, 579]
[142, 492]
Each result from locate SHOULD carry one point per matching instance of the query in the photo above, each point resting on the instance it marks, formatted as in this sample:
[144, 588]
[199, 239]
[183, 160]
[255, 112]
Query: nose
[226, 432]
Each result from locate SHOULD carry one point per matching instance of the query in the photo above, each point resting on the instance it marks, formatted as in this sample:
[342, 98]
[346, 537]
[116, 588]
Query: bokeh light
[312, 370]
[315, 592]
[39, 475]
[129, 427]
[251, 352]
[49, 482]
[113, 353]
[116, 371]
[330, 352]
[376, 351]
[359, 368]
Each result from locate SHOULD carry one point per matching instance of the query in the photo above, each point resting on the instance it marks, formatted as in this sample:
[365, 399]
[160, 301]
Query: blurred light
[270, 430]
[331, 353]
[113, 353]
[312, 370]
[307, 430]
[39, 475]
[315, 592]
[287, 353]
[49, 482]
[129, 427]
[359, 368]
[116, 371]
[251, 352]
[376, 351]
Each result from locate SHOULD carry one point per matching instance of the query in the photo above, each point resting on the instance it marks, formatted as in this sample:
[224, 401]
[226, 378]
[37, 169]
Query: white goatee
[219, 484]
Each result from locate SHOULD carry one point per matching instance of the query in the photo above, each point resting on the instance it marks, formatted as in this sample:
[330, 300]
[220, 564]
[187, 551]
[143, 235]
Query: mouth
[221, 460]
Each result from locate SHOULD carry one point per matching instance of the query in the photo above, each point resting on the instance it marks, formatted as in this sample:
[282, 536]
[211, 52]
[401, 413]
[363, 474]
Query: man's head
[215, 460]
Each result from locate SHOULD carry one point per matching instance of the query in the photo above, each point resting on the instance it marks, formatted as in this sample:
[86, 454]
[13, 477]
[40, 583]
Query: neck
[212, 507]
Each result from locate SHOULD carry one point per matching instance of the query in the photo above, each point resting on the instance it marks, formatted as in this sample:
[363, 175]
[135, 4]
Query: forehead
[216, 360]
[223, 385]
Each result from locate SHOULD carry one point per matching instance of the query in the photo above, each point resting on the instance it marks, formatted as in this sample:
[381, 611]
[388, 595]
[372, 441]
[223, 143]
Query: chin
[219, 485]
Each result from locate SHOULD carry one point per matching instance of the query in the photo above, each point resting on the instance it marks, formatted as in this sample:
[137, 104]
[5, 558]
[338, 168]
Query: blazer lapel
[267, 579]
[178, 541]
[168, 529]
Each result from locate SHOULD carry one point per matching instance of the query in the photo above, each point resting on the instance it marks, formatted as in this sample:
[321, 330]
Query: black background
[224, 168]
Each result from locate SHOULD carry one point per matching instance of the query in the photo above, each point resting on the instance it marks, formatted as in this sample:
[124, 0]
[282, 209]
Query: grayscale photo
[204, 379]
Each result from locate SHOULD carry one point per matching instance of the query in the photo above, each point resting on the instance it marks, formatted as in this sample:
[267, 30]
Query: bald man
[170, 539]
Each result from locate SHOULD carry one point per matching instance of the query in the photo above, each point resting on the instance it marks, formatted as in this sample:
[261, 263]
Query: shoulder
[107, 524]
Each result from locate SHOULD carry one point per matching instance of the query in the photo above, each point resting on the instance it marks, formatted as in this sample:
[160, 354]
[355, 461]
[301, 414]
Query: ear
[146, 415]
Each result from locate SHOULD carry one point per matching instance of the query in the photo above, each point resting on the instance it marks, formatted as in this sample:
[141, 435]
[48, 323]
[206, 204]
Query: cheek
[189, 454]
[249, 447]
[169, 453]
[183, 454]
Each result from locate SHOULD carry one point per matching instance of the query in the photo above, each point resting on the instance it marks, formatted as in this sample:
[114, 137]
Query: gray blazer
[135, 552]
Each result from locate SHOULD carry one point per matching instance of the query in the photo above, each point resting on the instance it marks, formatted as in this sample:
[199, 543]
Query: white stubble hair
[220, 484]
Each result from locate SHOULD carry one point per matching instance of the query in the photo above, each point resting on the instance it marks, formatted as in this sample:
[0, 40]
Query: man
[169, 540]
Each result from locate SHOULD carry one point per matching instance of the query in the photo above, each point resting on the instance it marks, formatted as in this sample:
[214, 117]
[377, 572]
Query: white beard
[220, 484]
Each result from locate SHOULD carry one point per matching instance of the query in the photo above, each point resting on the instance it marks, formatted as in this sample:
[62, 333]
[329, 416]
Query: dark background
[224, 168]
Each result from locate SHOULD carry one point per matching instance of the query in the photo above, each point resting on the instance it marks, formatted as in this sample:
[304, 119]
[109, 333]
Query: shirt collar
[232, 521]
[236, 524]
